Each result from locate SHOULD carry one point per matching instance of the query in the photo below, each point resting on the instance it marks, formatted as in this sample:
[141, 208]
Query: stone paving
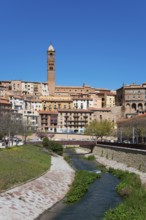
[28, 201]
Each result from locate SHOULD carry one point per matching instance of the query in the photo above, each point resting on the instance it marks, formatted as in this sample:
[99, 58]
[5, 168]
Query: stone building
[54, 103]
[111, 114]
[132, 98]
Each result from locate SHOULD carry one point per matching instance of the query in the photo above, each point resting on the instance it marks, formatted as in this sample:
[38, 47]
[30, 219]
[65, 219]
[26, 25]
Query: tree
[10, 125]
[26, 130]
[99, 128]
[133, 129]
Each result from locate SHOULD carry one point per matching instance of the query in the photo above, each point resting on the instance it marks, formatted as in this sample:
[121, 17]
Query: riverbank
[28, 201]
[116, 165]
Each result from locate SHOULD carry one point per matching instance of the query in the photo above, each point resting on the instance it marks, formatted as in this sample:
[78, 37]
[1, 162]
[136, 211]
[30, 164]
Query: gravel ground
[28, 201]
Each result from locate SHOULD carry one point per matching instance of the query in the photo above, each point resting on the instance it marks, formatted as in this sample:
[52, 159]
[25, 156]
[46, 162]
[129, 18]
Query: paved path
[28, 201]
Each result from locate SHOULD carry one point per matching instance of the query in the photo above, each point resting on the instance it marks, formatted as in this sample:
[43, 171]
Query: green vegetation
[19, 164]
[132, 127]
[99, 128]
[52, 146]
[102, 168]
[68, 160]
[134, 194]
[90, 157]
[80, 185]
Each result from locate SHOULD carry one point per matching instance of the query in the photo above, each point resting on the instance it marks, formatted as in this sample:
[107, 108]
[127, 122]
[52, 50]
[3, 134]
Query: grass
[90, 158]
[68, 160]
[80, 185]
[102, 168]
[134, 194]
[22, 163]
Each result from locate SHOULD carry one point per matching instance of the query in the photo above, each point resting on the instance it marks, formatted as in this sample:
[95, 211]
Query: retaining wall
[130, 157]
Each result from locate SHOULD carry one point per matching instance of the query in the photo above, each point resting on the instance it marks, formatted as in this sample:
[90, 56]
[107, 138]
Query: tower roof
[51, 48]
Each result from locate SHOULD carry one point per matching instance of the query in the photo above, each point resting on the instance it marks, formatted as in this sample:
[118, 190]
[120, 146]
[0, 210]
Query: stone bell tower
[51, 70]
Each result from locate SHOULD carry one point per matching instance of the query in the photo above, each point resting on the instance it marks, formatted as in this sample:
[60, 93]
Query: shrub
[56, 147]
[53, 146]
[45, 142]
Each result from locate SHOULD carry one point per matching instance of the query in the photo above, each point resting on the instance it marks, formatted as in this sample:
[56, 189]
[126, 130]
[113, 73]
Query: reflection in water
[100, 197]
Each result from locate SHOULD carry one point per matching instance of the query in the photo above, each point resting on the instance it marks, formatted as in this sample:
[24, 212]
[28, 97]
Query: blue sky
[98, 42]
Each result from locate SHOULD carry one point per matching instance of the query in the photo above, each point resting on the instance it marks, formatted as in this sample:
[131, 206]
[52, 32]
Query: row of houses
[48, 115]
[46, 106]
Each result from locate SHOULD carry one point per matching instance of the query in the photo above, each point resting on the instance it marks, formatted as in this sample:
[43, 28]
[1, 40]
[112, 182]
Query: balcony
[76, 116]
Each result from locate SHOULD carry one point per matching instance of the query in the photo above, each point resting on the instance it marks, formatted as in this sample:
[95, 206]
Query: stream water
[100, 197]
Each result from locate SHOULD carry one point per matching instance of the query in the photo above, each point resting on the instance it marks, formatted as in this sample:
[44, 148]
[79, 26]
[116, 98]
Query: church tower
[51, 70]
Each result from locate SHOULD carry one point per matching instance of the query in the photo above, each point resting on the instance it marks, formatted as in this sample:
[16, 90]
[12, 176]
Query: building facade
[52, 108]
[132, 98]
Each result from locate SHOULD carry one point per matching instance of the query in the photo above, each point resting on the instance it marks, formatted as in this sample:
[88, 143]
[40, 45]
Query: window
[51, 55]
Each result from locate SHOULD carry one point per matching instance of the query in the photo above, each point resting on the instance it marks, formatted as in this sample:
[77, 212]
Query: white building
[44, 89]
[82, 103]
[17, 102]
[30, 119]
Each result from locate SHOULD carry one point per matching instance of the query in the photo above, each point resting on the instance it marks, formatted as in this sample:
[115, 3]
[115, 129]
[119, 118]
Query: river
[100, 197]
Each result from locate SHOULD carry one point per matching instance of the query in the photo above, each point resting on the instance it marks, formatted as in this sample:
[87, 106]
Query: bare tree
[133, 129]
[10, 125]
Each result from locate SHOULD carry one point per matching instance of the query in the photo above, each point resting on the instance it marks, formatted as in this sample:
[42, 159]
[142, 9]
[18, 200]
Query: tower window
[51, 55]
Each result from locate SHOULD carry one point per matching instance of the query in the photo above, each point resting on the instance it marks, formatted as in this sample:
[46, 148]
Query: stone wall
[130, 157]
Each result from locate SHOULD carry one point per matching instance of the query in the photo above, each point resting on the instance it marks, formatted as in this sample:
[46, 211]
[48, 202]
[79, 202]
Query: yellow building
[54, 103]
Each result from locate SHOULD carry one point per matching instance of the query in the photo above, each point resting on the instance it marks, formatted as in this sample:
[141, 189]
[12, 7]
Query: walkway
[31, 199]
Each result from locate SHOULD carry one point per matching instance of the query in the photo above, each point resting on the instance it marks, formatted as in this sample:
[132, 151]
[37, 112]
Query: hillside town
[45, 106]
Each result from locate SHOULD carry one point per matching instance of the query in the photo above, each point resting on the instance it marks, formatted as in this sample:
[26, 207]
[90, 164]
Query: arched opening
[145, 106]
[140, 108]
[128, 107]
[133, 107]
